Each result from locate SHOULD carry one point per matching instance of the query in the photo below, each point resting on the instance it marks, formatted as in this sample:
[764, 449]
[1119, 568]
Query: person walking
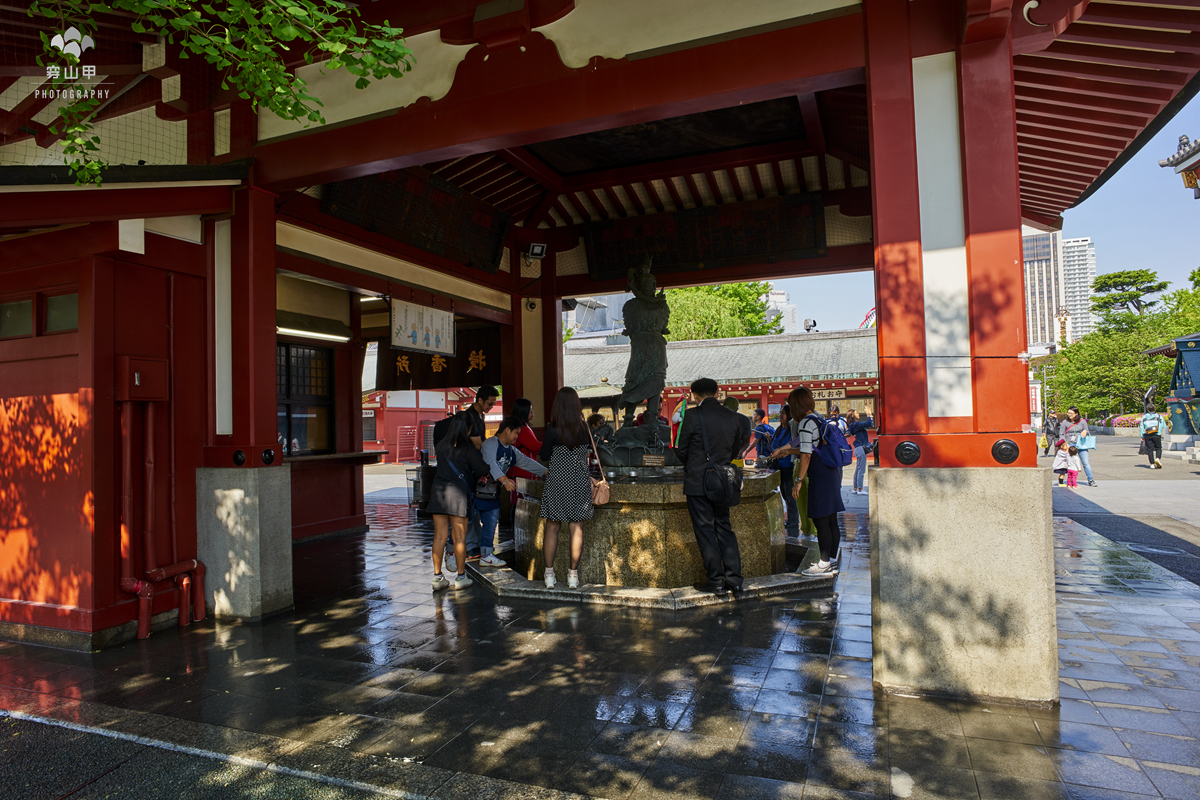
[727, 433]
[857, 426]
[783, 435]
[1070, 429]
[824, 482]
[451, 501]
[1151, 427]
[485, 399]
[567, 495]
[501, 457]
[1049, 431]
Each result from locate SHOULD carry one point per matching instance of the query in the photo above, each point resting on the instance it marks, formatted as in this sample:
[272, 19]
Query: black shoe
[708, 588]
[738, 591]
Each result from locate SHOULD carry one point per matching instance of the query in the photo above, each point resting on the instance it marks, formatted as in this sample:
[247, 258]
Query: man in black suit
[728, 435]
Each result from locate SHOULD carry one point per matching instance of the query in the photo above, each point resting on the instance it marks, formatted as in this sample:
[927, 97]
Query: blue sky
[1142, 218]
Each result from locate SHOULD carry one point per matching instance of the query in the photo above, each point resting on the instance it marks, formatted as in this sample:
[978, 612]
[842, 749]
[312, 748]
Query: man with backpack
[763, 434]
[822, 451]
[710, 437]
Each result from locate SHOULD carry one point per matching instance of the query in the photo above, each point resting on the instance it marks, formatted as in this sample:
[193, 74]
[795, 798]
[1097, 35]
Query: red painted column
[994, 254]
[253, 328]
[900, 305]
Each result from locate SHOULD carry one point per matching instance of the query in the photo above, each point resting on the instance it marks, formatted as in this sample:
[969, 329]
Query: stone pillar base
[244, 538]
[962, 583]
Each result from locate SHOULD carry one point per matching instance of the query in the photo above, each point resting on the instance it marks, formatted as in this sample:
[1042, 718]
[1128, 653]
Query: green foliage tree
[249, 44]
[1120, 296]
[720, 312]
[1106, 370]
[1194, 277]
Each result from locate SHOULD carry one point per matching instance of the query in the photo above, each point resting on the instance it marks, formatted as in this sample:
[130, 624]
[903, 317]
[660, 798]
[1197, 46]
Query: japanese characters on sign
[426, 330]
[828, 394]
[476, 362]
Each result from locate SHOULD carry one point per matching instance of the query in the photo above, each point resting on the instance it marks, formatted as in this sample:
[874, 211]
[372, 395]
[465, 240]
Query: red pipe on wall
[185, 600]
[148, 492]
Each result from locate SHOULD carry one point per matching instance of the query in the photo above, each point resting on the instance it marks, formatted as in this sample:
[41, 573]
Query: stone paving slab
[374, 686]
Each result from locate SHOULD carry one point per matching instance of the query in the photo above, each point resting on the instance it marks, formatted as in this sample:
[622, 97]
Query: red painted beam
[1146, 111]
[714, 187]
[67, 244]
[562, 212]
[1085, 160]
[488, 107]
[596, 204]
[1067, 127]
[758, 185]
[654, 197]
[570, 203]
[1186, 18]
[533, 166]
[1037, 174]
[1067, 139]
[673, 190]
[1069, 114]
[661, 170]
[617, 205]
[1117, 91]
[40, 208]
[1066, 146]
[637, 201]
[1160, 79]
[736, 182]
[458, 166]
[780, 189]
[694, 190]
[1174, 41]
[1122, 56]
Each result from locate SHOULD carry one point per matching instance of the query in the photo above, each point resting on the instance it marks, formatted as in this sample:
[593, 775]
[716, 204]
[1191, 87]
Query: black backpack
[722, 483]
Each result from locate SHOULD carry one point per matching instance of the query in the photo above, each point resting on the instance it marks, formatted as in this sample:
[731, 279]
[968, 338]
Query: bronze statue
[646, 318]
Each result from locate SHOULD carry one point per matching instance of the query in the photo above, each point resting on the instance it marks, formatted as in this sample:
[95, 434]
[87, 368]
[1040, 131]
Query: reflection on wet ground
[373, 676]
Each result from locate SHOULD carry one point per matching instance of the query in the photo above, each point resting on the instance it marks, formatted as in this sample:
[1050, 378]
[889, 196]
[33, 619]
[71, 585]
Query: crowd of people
[473, 469]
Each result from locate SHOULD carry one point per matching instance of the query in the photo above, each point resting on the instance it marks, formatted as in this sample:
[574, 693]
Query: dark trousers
[1153, 446]
[829, 536]
[787, 478]
[718, 545]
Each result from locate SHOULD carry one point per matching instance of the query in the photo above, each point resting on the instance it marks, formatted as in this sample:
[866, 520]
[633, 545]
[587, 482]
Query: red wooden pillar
[552, 343]
[993, 227]
[900, 306]
[252, 326]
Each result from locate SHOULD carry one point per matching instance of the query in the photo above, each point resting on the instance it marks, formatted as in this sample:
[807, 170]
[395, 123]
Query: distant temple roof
[839, 355]
[1187, 152]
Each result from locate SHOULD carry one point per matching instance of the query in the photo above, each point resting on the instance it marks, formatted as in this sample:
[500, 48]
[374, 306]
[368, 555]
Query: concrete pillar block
[244, 538]
[962, 583]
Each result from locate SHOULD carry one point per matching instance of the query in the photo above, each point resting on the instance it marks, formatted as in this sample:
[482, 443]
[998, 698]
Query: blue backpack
[834, 451]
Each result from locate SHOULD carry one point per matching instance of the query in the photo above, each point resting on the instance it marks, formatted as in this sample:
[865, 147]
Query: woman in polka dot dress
[567, 494]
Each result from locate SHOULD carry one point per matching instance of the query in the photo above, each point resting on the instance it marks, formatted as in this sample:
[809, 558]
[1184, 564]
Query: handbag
[1086, 442]
[467, 484]
[601, 489]
[722, 483]
[1142, 448]
[1043, 442]
[488, 488]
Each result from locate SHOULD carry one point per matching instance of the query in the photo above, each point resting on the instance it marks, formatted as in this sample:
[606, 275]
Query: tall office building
[1079, 267]
[1045, 287]
[778, 305]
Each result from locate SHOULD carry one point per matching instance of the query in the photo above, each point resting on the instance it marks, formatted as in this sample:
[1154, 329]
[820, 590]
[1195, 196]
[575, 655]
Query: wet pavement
[374, 687]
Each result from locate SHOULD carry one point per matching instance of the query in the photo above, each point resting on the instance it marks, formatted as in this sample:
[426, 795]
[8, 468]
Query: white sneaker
[572, 579]
[440, 582]
[492, 561]
[503, 547]
[462, 582]
[1157, 463]
[821, 568]
[550, 581]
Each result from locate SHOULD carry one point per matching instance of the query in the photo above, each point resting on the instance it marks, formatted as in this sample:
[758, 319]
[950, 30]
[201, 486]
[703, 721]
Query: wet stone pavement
[374, 687]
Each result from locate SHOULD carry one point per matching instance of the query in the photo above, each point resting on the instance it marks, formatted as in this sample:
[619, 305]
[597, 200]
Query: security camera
[531, 304]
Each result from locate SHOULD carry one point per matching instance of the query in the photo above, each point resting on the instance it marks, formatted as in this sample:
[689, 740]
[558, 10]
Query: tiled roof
[792, 357]
[1187, 151]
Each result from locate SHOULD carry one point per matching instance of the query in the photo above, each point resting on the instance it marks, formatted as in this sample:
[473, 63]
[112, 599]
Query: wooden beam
[1175, 41]
[654, 197]
[1160, 79]
[1186, 18]
[674, 192]
[1118, 91]
[1055, 139]
[714, 187]
[1122, 56]
[542, 209]
[1146, 111]
[645, 173]
[532, 166]
[758, 185]
[1064, 126]
[814, 131]
[600, 209]
[780, 188]
[569, 202]
[1069, 114]
[1078, 154]
[737, 184]
[616, 202]
[637, 201]
[459, 166]
[562, 211]
[697, 197]
[1053, 174]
